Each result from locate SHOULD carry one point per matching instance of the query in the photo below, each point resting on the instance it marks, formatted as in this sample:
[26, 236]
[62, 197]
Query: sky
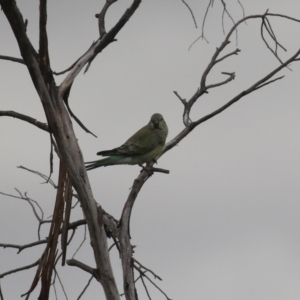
[224, 224]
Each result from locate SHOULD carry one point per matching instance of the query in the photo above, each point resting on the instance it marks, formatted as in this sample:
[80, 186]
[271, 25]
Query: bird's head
[155, 120]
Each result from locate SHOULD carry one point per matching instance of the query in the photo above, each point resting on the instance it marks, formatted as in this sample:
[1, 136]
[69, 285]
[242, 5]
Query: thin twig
[14, 59]
[22, 247]
[144, 284]
[268, 82]
[1, 295]
[147, 269]
[77, 120]
[191, 13]
[266, 24]
[84, 238]
[61, 284]
[20, 269]
[241, 5]
[228, 14]
[29, 201]
[235, 52]
[67, 214]
[204, 19]
[230, 78]
[66, 70]
[85, 288]
[144, 275]
[183, 101]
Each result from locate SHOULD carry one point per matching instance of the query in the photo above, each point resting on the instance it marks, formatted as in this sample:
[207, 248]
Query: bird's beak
[156, 124]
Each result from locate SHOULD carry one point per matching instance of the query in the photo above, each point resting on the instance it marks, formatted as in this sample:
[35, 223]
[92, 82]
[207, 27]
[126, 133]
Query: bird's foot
[150, 171]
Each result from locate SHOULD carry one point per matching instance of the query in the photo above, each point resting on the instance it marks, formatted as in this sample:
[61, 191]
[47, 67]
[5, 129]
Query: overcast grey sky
[224, 224]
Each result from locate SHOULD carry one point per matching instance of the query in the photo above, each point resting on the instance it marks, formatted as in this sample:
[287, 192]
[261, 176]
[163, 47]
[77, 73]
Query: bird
[144, 146]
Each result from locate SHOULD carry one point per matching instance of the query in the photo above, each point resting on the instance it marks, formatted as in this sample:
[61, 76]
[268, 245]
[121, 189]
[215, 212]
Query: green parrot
[145, 145]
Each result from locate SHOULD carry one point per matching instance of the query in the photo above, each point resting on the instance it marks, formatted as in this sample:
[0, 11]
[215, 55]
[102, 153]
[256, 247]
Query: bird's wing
[142, 142]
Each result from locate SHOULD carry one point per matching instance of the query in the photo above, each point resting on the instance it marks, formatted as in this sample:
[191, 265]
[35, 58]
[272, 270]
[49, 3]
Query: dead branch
[67, 214]
[140, 266]
[101, 17]
[30, 202]
[159, 170]
[124, 236]
[77, 119]
[22, 247]
[14, 59]
[143, 274]
[243, 10]
[66, 70]
[203, 24]
[183, 101]
[268, 82]
[145, 287]
[231, 77]
[84, 267]
[51, 248]
[20, 269]
[25, 118]
[82, 242]
[72, 226]
[235, 52]
[39, 174]
[61, 284]
[157, 287]
[191, 12]
[43, 42]
[1, 295]
[225, 11]
[85, 288]
[87, 58]
[54, 287]
[203, 87]
[98, 46]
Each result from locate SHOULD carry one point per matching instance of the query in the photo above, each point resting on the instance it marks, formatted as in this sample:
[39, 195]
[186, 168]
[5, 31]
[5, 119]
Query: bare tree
[72, 174]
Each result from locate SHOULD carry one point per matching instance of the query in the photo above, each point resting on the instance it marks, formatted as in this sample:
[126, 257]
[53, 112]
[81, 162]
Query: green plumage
[145, 145]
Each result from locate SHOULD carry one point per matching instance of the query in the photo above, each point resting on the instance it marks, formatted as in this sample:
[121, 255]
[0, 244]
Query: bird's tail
[109, 161]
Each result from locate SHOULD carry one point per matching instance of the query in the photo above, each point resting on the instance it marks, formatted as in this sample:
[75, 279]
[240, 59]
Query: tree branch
[262, 82]
[235, 52]
[84, 267]
[192, 14]
[230, 78]
[29, 201]
[85, 288]
[101, 17]
[14, 59]
[142, 266]
[61, 127]
[43, 51]
[124, 237]
[13, 114]
[22, 247]
[41, 175]
[20, 269]
[72, 226]
[97, 47]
